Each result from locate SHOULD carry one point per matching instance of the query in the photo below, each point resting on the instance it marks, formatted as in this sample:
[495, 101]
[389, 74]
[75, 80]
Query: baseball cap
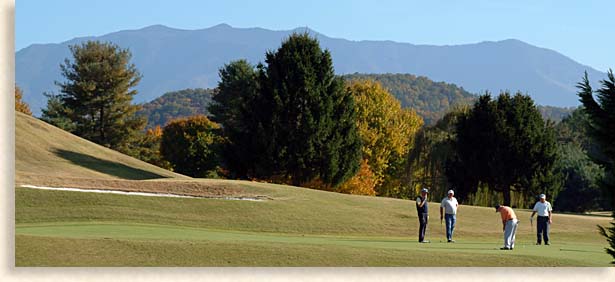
[425, 190]
[542, 196]
[450, 192]
[497, 206]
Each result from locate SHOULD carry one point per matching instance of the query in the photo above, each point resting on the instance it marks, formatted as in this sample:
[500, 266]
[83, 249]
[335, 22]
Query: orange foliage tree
[20, 105]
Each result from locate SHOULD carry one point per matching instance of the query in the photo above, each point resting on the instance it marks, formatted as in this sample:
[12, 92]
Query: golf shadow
[106, 166]
[432, 245]
[376, 241]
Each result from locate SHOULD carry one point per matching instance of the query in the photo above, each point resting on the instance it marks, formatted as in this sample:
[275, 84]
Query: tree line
[292, 120]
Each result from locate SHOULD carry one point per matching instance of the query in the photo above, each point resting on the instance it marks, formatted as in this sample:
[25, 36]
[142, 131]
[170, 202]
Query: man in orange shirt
[509, 225]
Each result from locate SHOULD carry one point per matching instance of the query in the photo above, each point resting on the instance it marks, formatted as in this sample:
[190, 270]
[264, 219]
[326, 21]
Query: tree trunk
[506, 192]
[102, 126]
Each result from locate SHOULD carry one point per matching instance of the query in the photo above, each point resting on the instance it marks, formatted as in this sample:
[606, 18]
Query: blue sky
[582, 31]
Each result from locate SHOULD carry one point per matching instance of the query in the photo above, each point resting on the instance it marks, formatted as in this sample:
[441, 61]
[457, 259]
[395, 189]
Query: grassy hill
[293, 227]
[43, 151]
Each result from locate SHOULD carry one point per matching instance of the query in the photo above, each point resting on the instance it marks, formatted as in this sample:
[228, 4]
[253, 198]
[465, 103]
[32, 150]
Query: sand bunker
[258, 199]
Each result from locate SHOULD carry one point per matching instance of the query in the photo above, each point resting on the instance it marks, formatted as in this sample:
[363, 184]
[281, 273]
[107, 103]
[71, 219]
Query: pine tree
[602, 128]
[97, 94]
[233, 106]
[290, 120]
[505, 144]
[56, 113]
[312, 130]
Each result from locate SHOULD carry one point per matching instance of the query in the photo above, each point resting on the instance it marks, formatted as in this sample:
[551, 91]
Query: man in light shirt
[509, 225]
[544, 209]
[449, 208]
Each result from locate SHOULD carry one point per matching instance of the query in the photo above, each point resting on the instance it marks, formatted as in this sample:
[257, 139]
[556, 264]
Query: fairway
[123, 242]
[291, 226]
[118, 230]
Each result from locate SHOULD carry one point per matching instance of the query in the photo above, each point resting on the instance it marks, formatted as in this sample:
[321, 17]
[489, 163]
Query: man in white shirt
[449, 208]
[544, 209]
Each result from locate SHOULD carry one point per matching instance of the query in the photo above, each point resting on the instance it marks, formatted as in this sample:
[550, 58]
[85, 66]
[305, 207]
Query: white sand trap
[257, 199]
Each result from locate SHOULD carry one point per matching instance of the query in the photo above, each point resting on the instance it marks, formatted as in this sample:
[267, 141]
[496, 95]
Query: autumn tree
[362, 183]
[97, 94]
[385, 130]
[20, 105]
[192, 146]
[147, 148]
[602, 128]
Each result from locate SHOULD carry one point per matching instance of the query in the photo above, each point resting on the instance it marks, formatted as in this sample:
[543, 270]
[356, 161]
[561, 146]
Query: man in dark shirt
[422, 211]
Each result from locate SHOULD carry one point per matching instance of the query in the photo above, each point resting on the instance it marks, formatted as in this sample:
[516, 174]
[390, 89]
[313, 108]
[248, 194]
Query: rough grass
[42, 149]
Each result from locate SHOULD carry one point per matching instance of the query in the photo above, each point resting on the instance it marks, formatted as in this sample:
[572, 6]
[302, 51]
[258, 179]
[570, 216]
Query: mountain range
[172, 59]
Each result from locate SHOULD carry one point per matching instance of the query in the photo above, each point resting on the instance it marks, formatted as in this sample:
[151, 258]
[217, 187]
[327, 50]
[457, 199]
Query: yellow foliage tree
[20, 105]
[386, 131]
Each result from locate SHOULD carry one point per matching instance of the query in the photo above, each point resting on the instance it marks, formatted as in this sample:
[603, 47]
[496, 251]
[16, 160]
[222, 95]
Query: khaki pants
[509, 233]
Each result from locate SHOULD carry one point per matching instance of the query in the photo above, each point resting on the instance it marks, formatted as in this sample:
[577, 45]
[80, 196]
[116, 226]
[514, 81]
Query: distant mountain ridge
[431, 100]
[173, 59]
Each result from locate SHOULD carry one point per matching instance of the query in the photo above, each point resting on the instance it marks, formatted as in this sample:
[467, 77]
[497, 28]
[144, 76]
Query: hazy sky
[582, 31]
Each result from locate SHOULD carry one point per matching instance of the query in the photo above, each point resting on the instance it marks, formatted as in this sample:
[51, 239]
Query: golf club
[531, 223]
[442, 227]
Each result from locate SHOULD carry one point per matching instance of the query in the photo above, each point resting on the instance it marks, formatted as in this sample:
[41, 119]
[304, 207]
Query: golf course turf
[59, 228]
[292, 227]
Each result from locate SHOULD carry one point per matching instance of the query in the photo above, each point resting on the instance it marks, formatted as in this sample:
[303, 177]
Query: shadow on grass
[105, 166]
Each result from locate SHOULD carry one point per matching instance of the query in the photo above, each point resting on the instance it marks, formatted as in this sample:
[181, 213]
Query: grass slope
[295, 227]
[42, 150]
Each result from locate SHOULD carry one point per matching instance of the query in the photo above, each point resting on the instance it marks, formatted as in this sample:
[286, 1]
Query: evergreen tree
[312, 128]
[233, 105]
[97, 94]
[602, 128]
[581, 173]
[505, 144]
[290, 120]
[56, 113]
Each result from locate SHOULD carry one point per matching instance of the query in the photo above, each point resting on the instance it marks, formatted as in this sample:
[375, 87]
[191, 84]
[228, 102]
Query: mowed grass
[299, 227]
[296, 227]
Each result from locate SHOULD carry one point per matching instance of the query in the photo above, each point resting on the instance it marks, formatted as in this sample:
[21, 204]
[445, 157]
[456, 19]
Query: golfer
[544, 209]
[509, 225]
[422, 212]
[448, 207]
